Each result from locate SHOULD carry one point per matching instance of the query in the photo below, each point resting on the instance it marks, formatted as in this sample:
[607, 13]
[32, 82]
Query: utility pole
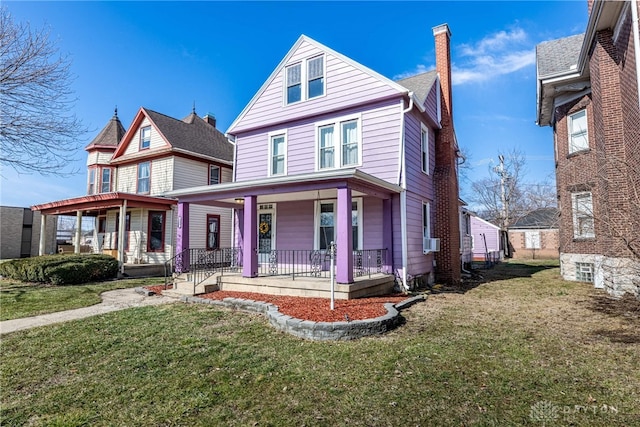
[504, 175]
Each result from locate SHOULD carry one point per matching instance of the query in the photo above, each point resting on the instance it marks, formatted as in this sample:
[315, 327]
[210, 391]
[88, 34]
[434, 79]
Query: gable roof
[110, 136]
[420, 84]
[326, 50]
[539, 218]
[191, 135]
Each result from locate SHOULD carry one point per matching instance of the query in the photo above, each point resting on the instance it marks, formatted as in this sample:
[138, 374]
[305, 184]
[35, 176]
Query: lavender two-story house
[329, 150]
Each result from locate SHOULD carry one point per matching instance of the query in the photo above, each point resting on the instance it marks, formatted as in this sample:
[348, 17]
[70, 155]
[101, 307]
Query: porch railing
[201, 264]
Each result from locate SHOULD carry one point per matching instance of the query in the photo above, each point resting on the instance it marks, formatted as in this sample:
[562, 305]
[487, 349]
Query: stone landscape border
[316, 331]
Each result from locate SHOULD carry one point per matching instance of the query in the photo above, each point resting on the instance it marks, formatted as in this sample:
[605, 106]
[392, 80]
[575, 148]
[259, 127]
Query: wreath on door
[264, 227]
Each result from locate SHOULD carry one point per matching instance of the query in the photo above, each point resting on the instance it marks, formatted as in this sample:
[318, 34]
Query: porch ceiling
[91, 205]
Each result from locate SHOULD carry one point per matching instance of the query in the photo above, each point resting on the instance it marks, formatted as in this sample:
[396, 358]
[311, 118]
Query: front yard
[522, 348]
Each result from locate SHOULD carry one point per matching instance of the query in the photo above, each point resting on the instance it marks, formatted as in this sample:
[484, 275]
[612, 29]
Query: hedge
[61, 269]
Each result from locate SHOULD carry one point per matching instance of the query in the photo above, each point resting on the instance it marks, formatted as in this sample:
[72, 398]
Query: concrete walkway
[111, 301]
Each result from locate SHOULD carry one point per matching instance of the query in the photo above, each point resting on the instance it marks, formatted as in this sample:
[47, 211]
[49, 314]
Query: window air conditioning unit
[430, 245]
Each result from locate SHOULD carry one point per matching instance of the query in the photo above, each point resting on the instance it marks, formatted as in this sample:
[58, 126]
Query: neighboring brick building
[535, 235]
[588, 92]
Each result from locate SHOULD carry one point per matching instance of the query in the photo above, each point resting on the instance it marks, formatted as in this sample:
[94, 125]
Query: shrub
[61, 269]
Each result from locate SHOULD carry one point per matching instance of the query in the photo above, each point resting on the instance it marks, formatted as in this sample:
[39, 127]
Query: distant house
[329, 150]
[588, 92]
[466, 237]
[535, 235]
[20, 231]
[128, 171]
[486, 240]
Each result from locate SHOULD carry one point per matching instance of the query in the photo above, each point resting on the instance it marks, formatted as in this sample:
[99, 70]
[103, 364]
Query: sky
[172, 56]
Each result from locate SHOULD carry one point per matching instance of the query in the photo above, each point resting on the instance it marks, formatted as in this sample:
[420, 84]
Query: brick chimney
[211, 119]
[442, 37]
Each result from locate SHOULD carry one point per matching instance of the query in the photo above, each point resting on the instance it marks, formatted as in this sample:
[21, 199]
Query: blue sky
[166, 56]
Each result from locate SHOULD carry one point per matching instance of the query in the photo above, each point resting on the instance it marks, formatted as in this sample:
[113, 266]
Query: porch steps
[183, 285]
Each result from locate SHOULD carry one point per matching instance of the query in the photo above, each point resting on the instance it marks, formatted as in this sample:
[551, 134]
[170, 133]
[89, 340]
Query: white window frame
[304, 80]
[337, 141]
[143, 139]
[91, 179]
[334, 202]
[532, 240]
[272, 136]
[103, 182]
[577, 215]
[424, 149]
[426, 211]
[581, 146]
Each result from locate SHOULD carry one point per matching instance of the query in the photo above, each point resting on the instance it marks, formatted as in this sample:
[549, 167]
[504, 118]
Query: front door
[266, 232]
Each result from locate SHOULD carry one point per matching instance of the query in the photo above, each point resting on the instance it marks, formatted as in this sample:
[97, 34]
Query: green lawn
[522, 348]
[29, 299]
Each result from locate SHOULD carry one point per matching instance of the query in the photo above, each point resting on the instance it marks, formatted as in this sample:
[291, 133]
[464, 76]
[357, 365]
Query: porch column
[78, 232]
[250, 237]
[43, 234]
[387, 235]
[182, 238]
[344, 241]
[122, 226]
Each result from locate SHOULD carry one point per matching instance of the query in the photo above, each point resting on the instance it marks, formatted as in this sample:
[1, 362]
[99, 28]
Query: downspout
[636, 42]
[403, 194]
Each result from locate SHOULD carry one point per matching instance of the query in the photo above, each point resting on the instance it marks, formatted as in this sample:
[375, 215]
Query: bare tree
[38, 132]
[504, 196]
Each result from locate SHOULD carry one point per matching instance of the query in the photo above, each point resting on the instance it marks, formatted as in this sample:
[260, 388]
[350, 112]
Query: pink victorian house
[329, 150]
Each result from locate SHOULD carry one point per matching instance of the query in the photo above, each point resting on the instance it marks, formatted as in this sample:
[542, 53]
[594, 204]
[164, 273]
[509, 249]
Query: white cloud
[496, 55]
[420, 68]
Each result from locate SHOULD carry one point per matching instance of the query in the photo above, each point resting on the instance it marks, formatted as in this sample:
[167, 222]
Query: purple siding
[418, 263]
[417, 181]
[294, 225]
[346, 85]
[431, 104]
[372, 221]
[490, 231]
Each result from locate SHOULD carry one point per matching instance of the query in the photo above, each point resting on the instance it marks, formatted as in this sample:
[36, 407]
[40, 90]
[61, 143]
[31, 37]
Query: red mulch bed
[158, 288]
[318, 309]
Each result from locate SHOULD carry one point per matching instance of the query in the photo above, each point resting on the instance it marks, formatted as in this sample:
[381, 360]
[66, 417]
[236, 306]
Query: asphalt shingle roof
[110, 135]
[539, 218]
[557, 56]
[193, 134]
[420, 84]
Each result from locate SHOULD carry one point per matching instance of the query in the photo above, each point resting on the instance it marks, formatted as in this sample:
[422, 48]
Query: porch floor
[316, 287]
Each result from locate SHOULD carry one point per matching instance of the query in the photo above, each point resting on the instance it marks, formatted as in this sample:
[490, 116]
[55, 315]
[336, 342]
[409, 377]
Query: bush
[61, 269]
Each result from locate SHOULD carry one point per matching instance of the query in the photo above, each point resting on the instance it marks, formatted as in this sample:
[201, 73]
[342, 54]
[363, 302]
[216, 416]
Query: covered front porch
[285, 229]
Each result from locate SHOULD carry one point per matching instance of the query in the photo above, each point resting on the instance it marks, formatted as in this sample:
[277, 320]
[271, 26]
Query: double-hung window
[144, 175]
[424, 149]
[145, 137]
[278, 154]
[327, 223]
[214, 174]
[91, 188]
[294, 83]
[309, 72]
[583, 224]
[426, 220]
[105, 180]
[578, 134]
[338, 144]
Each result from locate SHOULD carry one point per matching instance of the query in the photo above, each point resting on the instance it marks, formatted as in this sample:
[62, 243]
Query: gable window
[315, 77]
[424, 148]
[338, 144]
[155, 242]
[91, 189]
[294, 83]
[144, 174]
[105, 180]
[532, 239]
[145, 137]
[214, 174]
[213, 232]
[277, 154]
[583, 225]
[578, 135]
[326, 223]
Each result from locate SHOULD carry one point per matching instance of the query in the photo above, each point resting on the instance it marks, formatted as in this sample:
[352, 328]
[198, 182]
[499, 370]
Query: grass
[19, 299]
[519, 347]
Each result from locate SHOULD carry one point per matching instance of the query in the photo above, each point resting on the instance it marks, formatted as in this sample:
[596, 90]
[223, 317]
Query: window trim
[142, 139]
[102, 170]
[570, 118]
[91, 180]
[425, 158]
[337, 141]
[209, 248]
[271, 136]
[529, 237]
[138, 178]
[426, 231]
[324, 76]
[574, 213]
[164, 228]
[334, 203]
[286, 84]
[210, 175]
[304, 80]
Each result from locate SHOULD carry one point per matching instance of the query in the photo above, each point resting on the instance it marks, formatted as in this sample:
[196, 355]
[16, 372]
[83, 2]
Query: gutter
[402, 181]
